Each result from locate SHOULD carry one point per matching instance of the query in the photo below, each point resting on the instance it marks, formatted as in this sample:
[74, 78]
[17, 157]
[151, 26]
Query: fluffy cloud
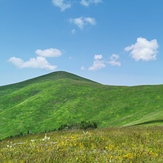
[49, 52]
[89, 2]
[61, 4]
[143, 49]
[82, 21]
[97, 56]
[113, 60]
[38, 62]
[98, 63]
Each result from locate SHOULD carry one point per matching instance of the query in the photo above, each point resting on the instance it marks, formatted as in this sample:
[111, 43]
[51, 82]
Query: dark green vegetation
[82, 125]
[45, 103]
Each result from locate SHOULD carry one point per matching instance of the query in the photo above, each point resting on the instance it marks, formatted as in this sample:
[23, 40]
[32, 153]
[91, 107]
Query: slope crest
[48, 77]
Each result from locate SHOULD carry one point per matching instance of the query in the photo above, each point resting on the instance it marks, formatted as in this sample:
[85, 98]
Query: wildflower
[9, 146]
[46, 138]
[32, 140]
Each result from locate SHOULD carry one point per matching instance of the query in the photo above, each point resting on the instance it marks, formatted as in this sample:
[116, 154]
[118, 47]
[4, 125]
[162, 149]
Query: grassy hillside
[45, 103]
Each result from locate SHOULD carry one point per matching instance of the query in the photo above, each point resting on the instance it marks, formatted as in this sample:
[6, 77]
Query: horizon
[108, 42]
[79, 76]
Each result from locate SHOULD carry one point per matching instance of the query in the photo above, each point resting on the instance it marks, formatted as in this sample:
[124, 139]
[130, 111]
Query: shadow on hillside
[149, 122]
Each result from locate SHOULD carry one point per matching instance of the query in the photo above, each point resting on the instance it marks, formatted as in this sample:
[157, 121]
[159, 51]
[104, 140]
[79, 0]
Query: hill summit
[50, 77]
[59, 75]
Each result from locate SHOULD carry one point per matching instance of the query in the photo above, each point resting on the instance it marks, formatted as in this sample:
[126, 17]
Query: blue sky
[114, 42]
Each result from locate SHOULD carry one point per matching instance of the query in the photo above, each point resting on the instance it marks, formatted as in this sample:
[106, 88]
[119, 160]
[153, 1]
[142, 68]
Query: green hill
[46, 102]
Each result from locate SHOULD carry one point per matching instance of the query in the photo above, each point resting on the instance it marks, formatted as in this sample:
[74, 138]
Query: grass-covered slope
[45, 103]
[116, 145]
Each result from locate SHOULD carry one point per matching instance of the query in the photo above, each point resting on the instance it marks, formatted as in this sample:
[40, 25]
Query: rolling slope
[45, 103]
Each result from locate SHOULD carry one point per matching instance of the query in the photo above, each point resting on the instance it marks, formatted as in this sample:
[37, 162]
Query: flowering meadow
[117, 145]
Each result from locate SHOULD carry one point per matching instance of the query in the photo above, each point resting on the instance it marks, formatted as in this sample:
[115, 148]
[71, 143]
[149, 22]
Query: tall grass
[116, 145]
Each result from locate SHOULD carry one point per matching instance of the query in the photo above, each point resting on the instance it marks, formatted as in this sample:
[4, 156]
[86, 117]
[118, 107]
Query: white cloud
[97, 56]
[78, 21]
[16, 61]
[49, 52]
[86, 3]
[113, 60]
[61, 4]
[143, 49]
[98, 63]
[38, 62]
[90, 21]
[82, 68]
[82, 21]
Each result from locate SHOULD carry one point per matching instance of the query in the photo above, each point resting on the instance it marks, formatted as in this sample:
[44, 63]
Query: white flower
[46, 138]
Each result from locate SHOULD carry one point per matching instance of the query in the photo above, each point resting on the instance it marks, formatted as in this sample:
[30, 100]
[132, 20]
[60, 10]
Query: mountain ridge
[51, 76]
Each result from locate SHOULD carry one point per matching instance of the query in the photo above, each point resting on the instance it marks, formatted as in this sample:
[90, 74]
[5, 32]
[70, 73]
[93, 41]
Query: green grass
[45, 103]
[116, 145]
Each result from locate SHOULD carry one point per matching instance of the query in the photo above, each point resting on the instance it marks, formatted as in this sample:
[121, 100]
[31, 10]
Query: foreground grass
[128, 144]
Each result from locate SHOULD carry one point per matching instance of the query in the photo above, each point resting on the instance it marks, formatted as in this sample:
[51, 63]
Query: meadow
[62, 100]
[135, 144]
